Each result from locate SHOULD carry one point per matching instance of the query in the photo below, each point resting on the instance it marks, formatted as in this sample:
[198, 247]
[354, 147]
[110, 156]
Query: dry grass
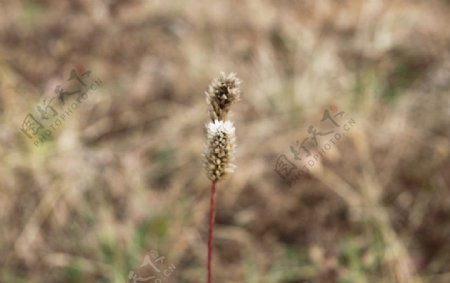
[123, 175]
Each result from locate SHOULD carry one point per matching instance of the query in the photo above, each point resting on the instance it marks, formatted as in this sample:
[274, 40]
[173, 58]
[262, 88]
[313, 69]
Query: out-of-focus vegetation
[121, 178]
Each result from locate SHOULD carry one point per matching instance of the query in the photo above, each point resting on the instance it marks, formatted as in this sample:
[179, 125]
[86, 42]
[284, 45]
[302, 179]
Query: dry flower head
[220, 147]
[222, 92]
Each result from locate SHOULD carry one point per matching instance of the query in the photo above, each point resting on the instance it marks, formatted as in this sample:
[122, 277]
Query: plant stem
[212, 216]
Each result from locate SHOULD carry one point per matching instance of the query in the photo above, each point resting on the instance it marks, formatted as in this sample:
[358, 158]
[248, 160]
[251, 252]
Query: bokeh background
[119, 183]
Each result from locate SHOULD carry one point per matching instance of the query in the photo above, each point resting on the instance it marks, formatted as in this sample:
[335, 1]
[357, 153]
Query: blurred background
[102, 113]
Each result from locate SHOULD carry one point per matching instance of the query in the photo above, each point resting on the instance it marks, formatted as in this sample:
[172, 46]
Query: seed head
[222, 92]
[219, 151]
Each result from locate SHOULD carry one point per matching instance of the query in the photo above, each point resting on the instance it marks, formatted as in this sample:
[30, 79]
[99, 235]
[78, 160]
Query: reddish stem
[212, 216]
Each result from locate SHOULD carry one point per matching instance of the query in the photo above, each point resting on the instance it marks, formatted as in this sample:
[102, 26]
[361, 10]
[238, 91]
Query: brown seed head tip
[222, 92]
[219, 151]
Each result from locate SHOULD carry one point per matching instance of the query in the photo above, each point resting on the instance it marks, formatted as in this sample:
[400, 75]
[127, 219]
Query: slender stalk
[220, 143]
[212, 216]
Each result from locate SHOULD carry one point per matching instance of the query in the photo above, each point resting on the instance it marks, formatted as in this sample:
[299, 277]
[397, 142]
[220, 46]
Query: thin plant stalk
[220, 144]
[212, 217]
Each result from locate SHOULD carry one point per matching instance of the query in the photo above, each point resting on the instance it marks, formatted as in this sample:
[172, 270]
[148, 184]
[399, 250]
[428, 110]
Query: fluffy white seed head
[219, 151]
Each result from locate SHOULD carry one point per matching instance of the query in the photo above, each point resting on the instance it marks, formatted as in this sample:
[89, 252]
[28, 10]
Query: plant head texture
[221, 94]
[221, 138]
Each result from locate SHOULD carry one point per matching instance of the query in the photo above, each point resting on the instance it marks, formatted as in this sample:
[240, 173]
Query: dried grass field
[343, 141]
